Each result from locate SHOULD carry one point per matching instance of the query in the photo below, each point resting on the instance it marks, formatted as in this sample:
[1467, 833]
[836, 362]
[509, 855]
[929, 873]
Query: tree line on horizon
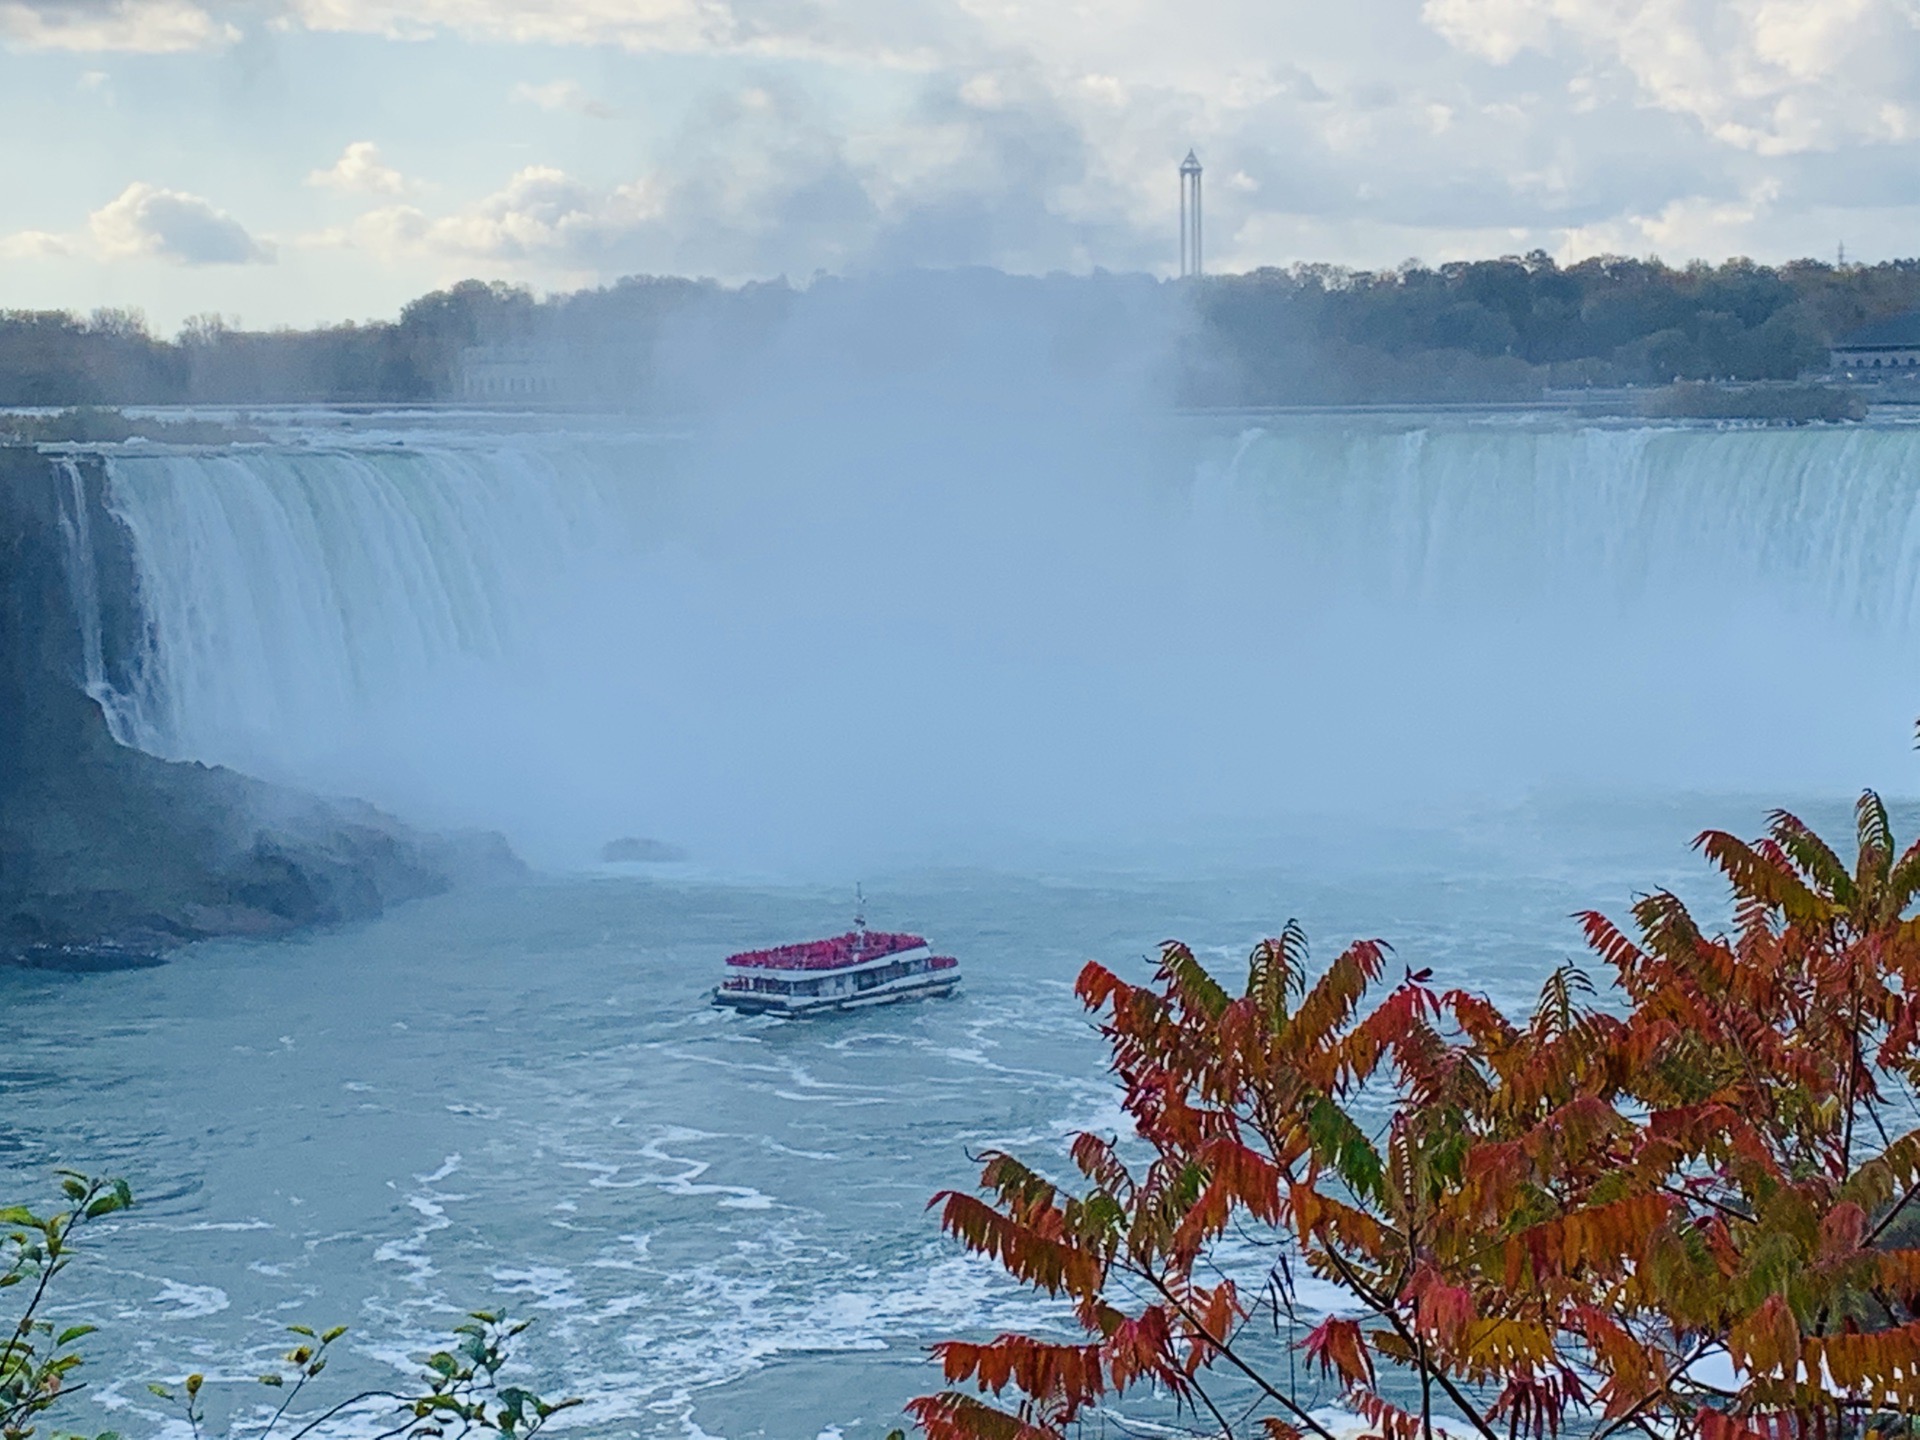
[1466, 330]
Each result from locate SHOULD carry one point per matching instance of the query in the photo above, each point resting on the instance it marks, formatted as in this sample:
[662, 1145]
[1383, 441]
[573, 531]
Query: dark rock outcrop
[106, 847]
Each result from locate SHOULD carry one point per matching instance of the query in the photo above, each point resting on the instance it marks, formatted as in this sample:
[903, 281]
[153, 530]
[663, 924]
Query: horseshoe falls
[886, 640]
[1053, 685]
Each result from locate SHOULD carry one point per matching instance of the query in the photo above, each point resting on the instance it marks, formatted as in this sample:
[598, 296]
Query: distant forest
[1481, 330]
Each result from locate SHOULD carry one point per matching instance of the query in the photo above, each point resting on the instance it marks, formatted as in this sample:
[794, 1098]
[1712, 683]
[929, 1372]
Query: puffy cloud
[33, 245]
[540, 215]
[153, 27]
[360, 170]
[1009, 163]
[1690, 225]
[562, 95]
[1036, 135]
[765, 180]
[145, 221]
[1771, 76]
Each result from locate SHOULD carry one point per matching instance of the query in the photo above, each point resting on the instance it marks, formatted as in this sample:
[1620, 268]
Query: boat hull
[935, 986]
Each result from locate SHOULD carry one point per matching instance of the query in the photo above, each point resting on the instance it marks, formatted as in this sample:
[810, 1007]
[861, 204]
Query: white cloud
[359, 170]
[152, 27]
[862, 30]
[1774, 77]
[763, 181]
[145, 221]
[562, 95]
[541, 214]
[33, 245]
[1691, 225]
[1034, 135]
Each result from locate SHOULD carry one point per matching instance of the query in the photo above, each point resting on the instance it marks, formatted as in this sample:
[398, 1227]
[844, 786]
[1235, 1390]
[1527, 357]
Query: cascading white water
[83, 583]
[1481, 606]
[289, 592]
[1828, 517]
[881, 635]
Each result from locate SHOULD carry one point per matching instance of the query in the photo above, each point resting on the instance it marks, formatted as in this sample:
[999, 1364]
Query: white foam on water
[412, 1252]
[216, 1226]
[548, 1286]
[189, 1302]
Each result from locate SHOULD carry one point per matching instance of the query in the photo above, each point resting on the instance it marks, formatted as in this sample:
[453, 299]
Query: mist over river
[1055, 684]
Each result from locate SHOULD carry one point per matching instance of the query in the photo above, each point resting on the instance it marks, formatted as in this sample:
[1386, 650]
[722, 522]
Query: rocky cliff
[103, 846]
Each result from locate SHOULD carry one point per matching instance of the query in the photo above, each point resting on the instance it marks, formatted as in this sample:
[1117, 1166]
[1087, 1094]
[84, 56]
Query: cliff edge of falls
[102, 845]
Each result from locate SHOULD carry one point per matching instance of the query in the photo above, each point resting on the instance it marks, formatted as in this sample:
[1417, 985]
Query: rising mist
[936, 569]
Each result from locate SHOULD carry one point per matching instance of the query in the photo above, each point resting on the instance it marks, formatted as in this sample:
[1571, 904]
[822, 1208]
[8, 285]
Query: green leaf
[74, 1332]
[1341, 1144]
[274, 1380]
[300, 1330]
[332, 1335]
[161, 1390]
[1193, 981]
[18, 1215]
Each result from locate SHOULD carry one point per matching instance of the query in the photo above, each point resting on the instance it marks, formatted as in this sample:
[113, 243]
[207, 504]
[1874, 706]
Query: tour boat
[848, 972]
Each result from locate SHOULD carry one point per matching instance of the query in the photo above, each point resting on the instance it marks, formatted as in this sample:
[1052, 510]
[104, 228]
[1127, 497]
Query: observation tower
[1190, 216]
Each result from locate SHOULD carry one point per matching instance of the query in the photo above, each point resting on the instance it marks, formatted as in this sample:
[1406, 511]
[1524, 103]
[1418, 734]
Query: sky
[297, 161]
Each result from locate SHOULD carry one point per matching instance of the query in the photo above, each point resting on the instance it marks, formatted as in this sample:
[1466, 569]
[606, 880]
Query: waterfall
[83, 584]
[766, 643]
[1825, 517]
[289, 590]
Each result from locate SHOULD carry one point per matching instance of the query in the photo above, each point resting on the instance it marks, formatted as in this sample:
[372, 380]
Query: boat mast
[859, 911]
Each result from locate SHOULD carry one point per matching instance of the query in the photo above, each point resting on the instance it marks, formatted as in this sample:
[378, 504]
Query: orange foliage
[1535, 1219]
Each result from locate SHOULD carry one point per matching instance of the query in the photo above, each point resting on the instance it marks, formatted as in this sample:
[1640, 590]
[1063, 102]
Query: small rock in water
[632, 850]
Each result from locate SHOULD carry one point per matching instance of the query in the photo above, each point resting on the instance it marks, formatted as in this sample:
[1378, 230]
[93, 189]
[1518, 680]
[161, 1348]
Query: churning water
[522, 1098]
[1053, 698]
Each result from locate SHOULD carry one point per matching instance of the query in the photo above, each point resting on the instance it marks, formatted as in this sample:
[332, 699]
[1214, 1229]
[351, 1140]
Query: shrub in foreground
[1681, 1215]
[460, 1393]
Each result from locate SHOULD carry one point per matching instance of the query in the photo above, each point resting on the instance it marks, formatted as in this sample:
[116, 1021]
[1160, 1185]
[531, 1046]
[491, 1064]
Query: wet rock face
[107, 848]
